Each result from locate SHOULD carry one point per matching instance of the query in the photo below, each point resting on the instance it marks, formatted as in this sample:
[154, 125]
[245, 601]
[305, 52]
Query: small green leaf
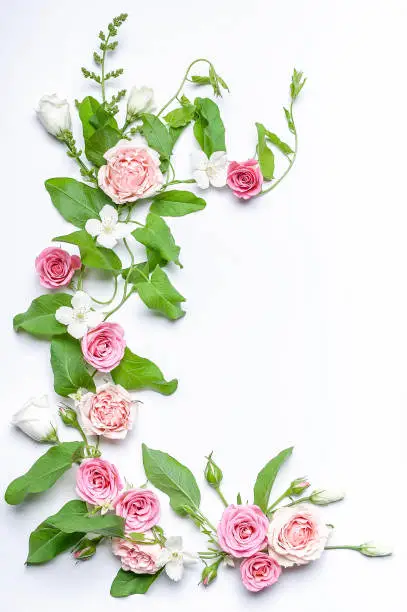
[68, 365]
[44, 472]
[101, 141]
[289, 120]
[159, 294]
[209, 129]
[156, 134]
[181, 116]
[137, 274]
[157, 235]
[200, 80]
[136, 372]
[76, 201]
[266, 155]
[39, 319]
[266, 477]
[129, 583]
[172, 478]
[282, 146]
[92, 255]
[297, 83]
[176, 203]
[74, 518]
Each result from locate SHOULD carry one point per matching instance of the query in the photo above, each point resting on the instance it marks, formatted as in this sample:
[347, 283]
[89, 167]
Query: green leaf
[157, 235]
[209, 129]
[76, 201]
[155, 259]
[156, 134]
[289, 120]
[266, 477]
[136, 372]
[101, 140]
[176, 203]
[200, 80]
[129, 583]
[44, 472]
[282, 146]
[181, 116]
[92, 255]
[266, 155]
[46, 541]
[159, 294]
[137, 274]
[102, 118]
[172, 478]
[74, 517]
[39, 319]
[68, 365]
[86, 109]
[297, 83]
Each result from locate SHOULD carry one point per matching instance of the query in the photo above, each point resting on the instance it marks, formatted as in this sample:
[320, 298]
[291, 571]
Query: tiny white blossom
[140, 101]
[80, 317]
[373, 549]
[108, 229]
[37, 420]
[323, 498]
[54, 114]
[212, 171]
[173, 557]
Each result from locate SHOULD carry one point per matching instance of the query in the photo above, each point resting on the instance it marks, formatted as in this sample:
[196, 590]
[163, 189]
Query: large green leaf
[74, 517]
[92, 255]
[39, 319]
[172, 478]
[157, 235]
[47, 541]
[76, 201]
[266, 155]
[159, 294]
[101, 140]
[129, 583]
[209, 129]
[44, 472]
[68, 365]
[266, 477]
[136, 372]
[157, 135]
[176, 203]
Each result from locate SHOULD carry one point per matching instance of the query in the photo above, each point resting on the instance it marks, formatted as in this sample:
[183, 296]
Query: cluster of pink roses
[294, 536]
[99, 484]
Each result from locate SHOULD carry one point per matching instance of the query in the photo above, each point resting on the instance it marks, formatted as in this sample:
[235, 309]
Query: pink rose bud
[259, 571]
[242, 530]
[103, 346]
[245, 178]
[56, 267]
[86, 548]
[298, 486]
[209, 573]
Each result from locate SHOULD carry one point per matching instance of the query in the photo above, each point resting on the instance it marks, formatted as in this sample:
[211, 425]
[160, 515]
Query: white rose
[373, 549]
[54, 114]
[140, 101]
[323, 498]
[37, 420]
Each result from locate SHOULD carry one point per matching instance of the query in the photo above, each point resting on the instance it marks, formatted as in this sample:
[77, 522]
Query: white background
[296, 331]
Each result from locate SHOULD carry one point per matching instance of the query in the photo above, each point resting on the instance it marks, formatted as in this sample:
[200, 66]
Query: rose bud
[140, 101]
[68, 416]
[323, 498]
[213, 473]
[372, 549]
[37, 420]
[298, 486]
[54, 114]
[85, 549]
[209, 573]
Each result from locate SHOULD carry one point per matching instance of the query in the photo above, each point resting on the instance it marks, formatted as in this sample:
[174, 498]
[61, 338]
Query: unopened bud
[213, 473]
[68, 416]
[209, 573]
[323, 498]
[85, 549]
[298, 486]
[372, 549]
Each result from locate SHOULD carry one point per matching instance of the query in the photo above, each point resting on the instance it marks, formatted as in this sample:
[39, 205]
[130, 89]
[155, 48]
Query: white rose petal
[374, 549]
[37, 420]
[141, 100]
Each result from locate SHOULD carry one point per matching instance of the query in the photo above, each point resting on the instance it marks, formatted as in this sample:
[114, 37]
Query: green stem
[177, 182]
[123, 300]
[279, 500]
[343, 547]
[103, 68]
[112, 298]
[222, 497]
[175, 96]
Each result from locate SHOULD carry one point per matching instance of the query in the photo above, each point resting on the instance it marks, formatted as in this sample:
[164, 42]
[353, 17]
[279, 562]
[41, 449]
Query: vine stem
[111, 299]
[106, 42]
[343, 547]
[175, 96]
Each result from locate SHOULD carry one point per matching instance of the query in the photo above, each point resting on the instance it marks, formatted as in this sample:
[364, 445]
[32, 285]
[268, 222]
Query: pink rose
[259, 571]
[98, 482]
[56, 267]
[297, 535]
[140, 508]
[137, 558]
[103, 346]
[108, 413]
[245, 178]
[242, 530]
[132, 171]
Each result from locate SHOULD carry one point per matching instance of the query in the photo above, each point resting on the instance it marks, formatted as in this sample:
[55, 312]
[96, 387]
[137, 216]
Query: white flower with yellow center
[210, 171]
[80, 317]
[173, 557]
[108, 230]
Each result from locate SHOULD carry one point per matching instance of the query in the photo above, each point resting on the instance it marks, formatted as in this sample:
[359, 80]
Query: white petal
[199, 160]
[64, 315]
[106, 240]
[218, 176]
[174, 569]
[190, 557]
[218, 158]
[81, 300]
[174, 544]
[201, 178]
[77, 329]
[109, 214]
[93, 227]
[123, 229]
[93, 318]
[163, 557]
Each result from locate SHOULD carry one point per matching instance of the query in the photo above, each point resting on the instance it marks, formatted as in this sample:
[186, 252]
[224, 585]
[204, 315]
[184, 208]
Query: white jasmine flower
[212, 171]
[373, 549]
[108, 229]
[80, 317]
[323, 498]
[173, 557]
[37, 420]
[140, 101]
[54, 114]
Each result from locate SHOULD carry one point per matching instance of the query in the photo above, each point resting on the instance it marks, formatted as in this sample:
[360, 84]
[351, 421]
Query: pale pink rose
[56, 267]
[109, 412]
[297, 535]
[137, 558]
[103, 346]
[259, 571]
[140, 508]
[242, 530]
[245, 178]
[132, 171]
[98, 482]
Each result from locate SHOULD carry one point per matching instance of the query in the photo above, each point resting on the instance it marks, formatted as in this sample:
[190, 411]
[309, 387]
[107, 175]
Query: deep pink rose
[297, 535]
[140, 508]
[259, 571]
[103, 346]
[98, 482]
[242, 530]
[56, 267]
[245, 178]
[108, 413]
[132, 171]
[137, 558]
